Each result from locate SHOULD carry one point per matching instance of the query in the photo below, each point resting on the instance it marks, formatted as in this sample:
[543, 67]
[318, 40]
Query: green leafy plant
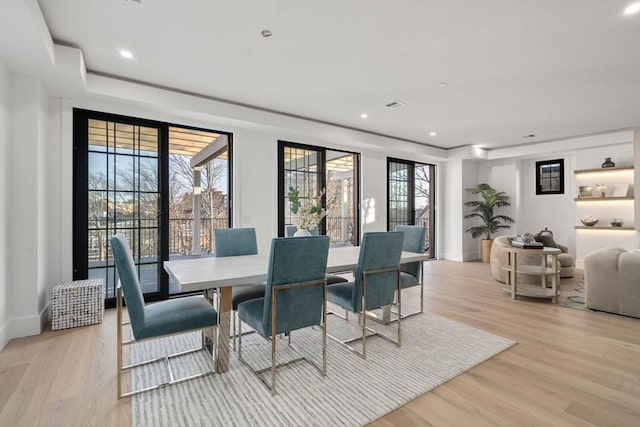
[294, 198]
[485, 210]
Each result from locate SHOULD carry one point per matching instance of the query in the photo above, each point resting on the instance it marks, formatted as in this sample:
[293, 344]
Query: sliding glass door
[117, 189]
[410, 197]
[136, 177]
[313, 170]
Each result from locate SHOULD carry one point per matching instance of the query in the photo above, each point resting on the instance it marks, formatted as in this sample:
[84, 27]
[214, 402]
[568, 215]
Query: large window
[158, 184]
[410, 197]
[312, 170]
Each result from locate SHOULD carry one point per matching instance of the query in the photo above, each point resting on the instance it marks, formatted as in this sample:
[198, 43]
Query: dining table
[223, 273]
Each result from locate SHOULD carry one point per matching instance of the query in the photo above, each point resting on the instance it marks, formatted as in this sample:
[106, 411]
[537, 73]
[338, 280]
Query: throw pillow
[546, 240]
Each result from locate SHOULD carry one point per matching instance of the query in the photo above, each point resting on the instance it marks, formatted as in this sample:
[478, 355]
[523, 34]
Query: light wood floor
[570, 367]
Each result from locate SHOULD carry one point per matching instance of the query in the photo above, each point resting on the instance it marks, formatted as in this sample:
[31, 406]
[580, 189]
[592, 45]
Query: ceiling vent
[395, 104]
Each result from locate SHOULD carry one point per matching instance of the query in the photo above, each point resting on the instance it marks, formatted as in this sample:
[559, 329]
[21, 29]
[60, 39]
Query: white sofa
[612, 281]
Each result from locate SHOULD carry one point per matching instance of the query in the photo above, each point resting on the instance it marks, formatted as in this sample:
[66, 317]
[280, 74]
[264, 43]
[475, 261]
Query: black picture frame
[550, 177]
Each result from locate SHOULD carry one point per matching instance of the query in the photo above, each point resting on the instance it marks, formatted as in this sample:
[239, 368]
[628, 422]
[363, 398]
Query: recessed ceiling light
[442, 84]
[126, 54]
[266, 33]
[632, 8]
[432, 134]
[364, 115]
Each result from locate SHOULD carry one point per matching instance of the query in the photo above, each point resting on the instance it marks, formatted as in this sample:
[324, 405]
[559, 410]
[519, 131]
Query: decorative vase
[301, 232]
[608, 163]
[616, 222]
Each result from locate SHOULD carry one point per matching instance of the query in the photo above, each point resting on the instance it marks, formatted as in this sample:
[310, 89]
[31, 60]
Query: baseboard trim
[44, 317]
[27, 326]
[4, 335]
[453, 256]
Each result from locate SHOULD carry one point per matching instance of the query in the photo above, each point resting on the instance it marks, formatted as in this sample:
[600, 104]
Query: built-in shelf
[602, 227]
[601, 199]
[621, 168]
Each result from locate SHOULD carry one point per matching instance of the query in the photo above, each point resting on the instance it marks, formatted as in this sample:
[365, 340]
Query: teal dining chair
[411, 274]
[331, 278]
[376, 284]
[295, 297]
[174, 316]
[238, 242]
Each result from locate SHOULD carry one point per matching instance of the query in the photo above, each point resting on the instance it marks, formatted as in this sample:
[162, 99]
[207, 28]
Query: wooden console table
[543, 270]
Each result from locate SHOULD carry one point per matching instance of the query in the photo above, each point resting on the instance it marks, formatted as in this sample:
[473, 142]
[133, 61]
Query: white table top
[204, 273]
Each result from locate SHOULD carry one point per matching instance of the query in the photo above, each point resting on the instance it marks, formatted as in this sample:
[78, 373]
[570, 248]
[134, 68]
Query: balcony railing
[145, 232]
[181, 234]
[340, 229]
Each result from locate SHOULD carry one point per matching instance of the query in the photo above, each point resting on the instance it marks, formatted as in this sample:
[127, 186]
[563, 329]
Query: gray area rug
[575, 298]
[354, 392]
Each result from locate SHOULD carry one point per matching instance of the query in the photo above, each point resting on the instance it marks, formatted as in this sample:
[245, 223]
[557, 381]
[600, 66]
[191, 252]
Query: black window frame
[80, 191]
[540, 176]
[411, 165]
[323, 176]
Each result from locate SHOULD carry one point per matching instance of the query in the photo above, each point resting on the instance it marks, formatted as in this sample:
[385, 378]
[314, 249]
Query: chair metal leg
[363, 318]
[399, 292]
[239, 338]
[119, 338]
[274, 325]
[271, 386]
[404, 316]
[172, 380]
[233, 328]
[324, 331]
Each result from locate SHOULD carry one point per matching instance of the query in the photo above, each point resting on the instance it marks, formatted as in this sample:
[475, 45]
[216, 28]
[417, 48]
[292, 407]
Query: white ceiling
[555, 69]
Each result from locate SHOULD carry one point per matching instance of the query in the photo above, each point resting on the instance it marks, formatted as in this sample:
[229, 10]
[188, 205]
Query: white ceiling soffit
[25, 43]
[549, 69]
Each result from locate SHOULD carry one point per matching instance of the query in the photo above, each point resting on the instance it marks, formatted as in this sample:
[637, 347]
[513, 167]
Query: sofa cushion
[612, 281]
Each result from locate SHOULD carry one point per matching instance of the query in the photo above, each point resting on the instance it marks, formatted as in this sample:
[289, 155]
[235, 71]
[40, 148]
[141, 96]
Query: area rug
[354, 392]
[575, 298]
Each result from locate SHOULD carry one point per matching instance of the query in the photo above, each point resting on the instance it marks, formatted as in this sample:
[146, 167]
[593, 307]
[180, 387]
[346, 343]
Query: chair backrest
[128, 275]
[302, 259]
[378, 250]
[413, 242]
[235, 241]
[290, 230]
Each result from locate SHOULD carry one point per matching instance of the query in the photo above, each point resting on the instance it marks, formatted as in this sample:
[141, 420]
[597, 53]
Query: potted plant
[308, 215]
[485, 210]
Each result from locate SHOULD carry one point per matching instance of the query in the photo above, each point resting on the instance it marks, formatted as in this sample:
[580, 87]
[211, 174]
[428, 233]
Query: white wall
[553, 211]
[25, 271]
[4, 202]
[503, 176]
[255, 184]
[457, 245]
[636, 163]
